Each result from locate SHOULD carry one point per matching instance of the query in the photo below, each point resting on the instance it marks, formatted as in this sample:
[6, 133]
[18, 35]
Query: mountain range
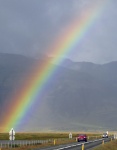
[79, 95]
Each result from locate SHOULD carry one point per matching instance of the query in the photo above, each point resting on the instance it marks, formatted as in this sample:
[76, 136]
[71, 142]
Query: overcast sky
[29, 27]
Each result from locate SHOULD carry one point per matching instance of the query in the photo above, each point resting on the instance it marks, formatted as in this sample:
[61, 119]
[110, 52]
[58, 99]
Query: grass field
[42, 136]
[108, 146]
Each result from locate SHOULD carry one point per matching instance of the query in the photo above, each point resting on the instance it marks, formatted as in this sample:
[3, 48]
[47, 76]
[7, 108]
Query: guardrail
[19, 143]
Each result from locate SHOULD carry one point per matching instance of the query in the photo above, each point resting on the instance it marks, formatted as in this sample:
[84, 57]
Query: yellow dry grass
[41, 136]
[108, 146]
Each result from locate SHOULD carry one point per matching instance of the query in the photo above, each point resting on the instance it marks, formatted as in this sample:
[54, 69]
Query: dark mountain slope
[75, 98]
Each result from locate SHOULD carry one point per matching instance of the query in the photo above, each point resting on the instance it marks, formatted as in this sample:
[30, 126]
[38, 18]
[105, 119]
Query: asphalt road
[77, 146]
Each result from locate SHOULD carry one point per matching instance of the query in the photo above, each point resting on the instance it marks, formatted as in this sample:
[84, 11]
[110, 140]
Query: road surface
[78, 145]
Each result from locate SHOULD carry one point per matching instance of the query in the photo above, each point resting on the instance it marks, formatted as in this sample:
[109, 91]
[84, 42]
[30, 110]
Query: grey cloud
[31, 26]
[99, 44]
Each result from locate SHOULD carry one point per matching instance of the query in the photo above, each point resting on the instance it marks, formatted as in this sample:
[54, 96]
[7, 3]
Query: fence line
[19, 143]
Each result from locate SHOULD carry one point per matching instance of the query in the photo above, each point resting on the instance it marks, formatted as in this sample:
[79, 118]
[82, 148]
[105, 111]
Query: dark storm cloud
[30, 27]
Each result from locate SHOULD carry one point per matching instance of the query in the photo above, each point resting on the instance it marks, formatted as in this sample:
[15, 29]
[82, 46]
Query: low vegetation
[108, 146]
[42, 136]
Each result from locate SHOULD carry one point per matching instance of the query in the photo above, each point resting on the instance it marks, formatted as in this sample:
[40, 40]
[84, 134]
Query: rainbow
[40, 76]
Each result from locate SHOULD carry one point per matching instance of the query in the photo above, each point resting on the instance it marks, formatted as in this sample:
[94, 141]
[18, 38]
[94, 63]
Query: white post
[70, 135]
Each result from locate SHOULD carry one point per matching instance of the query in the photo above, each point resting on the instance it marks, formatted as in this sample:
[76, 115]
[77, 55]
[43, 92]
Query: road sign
[11, 135]
[12, 138]
[107, 132]
[12, 132]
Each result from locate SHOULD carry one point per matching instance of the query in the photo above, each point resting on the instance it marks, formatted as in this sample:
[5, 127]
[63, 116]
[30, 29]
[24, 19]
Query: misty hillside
[80, 95]
[107, 72]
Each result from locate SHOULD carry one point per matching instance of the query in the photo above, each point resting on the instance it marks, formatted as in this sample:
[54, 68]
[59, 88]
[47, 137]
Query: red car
[82, 137]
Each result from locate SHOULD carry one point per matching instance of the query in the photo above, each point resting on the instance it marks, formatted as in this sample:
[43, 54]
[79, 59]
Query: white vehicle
[105, 135]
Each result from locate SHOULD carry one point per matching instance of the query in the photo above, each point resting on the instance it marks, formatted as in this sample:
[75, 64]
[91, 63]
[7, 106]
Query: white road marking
[77, 144]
